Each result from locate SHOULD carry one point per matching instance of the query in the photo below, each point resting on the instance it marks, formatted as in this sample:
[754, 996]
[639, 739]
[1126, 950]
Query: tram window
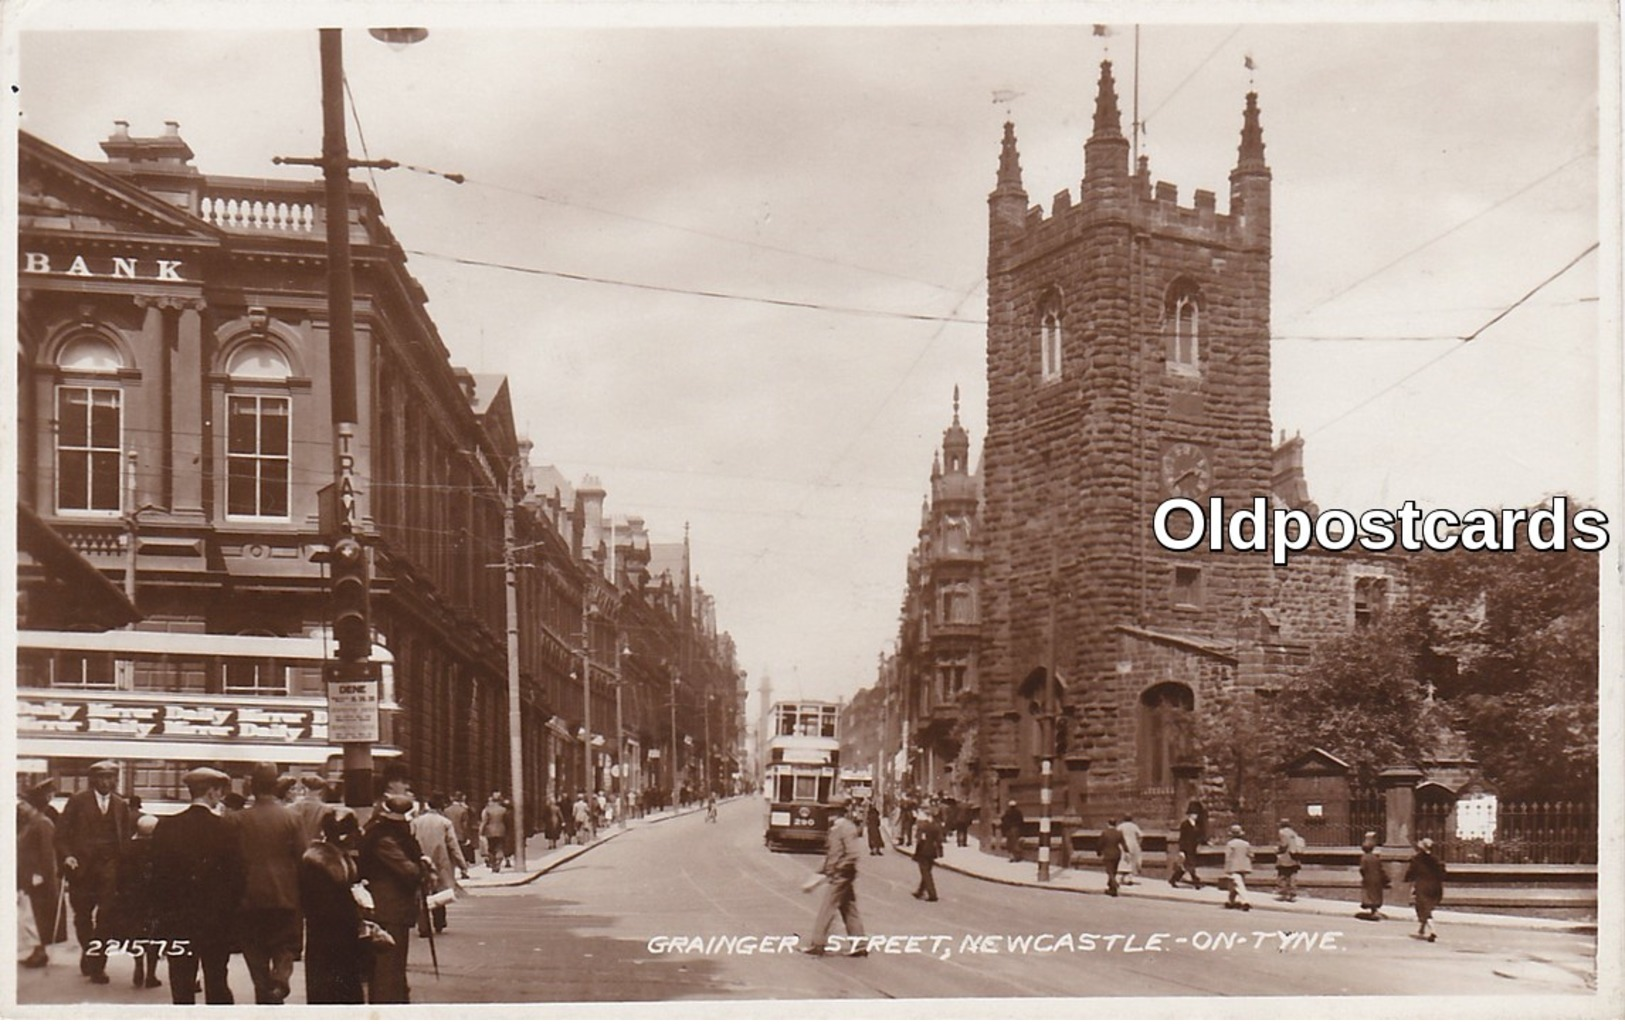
[786, 789]
[807, 787]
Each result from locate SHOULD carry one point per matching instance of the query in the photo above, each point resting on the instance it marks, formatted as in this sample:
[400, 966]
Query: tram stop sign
[352, 701]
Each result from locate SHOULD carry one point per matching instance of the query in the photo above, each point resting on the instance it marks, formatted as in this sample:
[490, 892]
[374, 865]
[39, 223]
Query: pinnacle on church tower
[1009, 161]
[1108, 120]
[1105, 154]
[1250, 155]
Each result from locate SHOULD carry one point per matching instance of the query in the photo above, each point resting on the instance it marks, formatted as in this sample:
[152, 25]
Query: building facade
[175, 432]
[1128, 362]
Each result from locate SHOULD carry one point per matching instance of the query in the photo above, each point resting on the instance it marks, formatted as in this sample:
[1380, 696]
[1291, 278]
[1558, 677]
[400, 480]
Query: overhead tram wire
[1441, 236]
[713, 236]
[701, 293]
[1461, 342]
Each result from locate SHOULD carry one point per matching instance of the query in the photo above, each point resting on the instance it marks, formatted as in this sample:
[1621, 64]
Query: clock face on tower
[1186, 470]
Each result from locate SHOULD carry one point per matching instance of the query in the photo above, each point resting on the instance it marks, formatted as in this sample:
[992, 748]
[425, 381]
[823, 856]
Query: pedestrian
[494, 831]
[335, 954]
[457, 812]
[840, 871]
[871, 828]
[905, 820]
[1289, 847]
[1012, 824]
[510, 840]
[309, 809]
[928, 842]
[711, 807]
[95, 827]
[1110, 848]
[583, 818]
[1426, 875]
[963, 820]
[1373, 880]
[198, 880]
[1238, 860]
[268, 922]
[130, 919]
[433, 833]
[392, 865]
[1133, 850]
[1191, 834]
[36, 876]
[550, 823]
[567, 819]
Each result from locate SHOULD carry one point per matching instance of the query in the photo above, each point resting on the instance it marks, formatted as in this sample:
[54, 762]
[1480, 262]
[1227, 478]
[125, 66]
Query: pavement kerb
[603, 837]
[1305, 905]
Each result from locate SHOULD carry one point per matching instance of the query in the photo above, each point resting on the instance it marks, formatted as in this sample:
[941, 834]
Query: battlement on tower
[1153, 209]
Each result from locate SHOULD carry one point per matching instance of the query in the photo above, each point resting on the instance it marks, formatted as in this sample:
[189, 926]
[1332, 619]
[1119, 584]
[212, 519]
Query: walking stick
[59, 926]
[434, 954]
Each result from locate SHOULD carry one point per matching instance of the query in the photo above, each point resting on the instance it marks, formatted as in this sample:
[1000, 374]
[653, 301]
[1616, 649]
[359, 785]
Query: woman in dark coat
[871, 821]
[1426, 873]
[1373, 880]
[550, 823]
[336, 958]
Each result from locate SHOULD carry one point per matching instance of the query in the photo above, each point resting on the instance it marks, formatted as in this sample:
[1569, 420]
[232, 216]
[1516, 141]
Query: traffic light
[351, 583]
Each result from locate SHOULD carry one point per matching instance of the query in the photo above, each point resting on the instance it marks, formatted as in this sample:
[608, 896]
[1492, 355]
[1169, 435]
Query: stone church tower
[1128, 361]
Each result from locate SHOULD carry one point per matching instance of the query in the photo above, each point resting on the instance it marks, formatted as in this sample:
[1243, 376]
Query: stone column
[187, 417]
[1399, 798]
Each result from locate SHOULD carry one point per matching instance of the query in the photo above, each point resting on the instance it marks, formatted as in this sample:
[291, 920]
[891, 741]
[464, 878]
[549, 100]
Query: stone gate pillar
[1399, 799]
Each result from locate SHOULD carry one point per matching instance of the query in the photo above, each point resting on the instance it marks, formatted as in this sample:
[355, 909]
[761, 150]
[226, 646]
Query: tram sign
[352, 701]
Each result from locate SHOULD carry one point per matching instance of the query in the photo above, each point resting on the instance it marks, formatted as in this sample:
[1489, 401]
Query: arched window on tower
[1164, 733]
[1049, 337]
[1182, 326]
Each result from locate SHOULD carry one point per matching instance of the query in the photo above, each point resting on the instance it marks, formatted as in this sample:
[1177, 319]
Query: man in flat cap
[269, 918]
[92, 835]
[198, 881]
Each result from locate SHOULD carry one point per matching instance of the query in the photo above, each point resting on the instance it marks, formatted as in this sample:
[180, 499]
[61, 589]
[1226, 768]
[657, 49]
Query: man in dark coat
[269, 918]
[36, 875]
[928, 841]
[198, 879]
[1426, 874]
[95, 827]
[1110, 848]
[1011, 824]
[1190, 839]
[392, 866]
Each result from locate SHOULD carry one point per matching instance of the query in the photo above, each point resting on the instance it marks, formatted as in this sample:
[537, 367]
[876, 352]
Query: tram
[802, 774]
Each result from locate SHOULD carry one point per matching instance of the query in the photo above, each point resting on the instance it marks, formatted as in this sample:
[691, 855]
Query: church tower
[1128, 361]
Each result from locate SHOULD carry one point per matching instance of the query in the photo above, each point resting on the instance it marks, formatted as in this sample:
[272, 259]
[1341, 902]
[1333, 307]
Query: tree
[1516, 634]
[1360, 698]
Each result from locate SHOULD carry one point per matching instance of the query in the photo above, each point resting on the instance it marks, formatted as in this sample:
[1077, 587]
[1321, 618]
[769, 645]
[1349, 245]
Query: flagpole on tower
[1136, 123]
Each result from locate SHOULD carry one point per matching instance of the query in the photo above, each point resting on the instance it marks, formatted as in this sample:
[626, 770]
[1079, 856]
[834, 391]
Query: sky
[1426, 177]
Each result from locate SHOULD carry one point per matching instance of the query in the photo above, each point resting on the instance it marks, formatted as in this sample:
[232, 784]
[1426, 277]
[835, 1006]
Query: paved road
[583, 932]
